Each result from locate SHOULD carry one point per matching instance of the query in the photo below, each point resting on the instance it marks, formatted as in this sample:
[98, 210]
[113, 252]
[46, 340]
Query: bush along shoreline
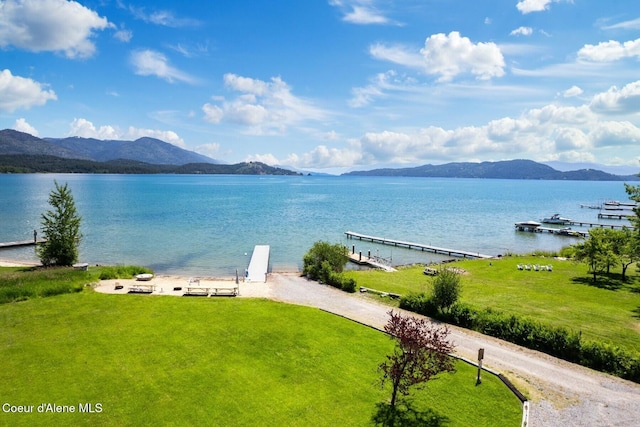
[557, 342]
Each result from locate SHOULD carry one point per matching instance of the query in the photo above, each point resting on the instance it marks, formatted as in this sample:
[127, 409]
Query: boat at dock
[556, 219]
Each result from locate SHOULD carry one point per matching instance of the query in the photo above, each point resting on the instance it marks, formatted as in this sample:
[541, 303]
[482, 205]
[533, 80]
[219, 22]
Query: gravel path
[561, 393]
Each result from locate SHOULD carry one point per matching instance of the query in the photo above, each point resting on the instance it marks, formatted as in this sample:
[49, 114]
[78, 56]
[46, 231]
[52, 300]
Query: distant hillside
[510, 169]
[24, 163]
[148, 150]
[14, 142]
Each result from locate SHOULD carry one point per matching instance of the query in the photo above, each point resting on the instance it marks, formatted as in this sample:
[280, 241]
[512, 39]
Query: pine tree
[61, 229]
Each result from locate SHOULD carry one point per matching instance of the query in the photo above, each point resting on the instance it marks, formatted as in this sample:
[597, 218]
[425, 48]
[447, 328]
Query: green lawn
[564, 297]
[151, 360]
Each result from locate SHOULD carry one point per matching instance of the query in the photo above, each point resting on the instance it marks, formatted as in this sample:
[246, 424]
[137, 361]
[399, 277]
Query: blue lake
[209, 224]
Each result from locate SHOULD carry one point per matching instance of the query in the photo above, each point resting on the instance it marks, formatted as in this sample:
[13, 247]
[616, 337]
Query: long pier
[418, 246]
[595, 224]
[17, 244]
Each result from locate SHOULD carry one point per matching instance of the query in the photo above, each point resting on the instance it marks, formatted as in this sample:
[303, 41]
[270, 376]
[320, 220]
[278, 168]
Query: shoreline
[14, 263]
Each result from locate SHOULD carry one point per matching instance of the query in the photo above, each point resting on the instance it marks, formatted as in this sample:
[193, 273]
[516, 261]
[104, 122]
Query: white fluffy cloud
[618, 101]
[19, 92]
[522, 31]
[572, 92]
[450, 55]
[152, 63]
[609, 51]
[50, 25]
[528, 6]
[22, 126]
[552, 132]
[447, 56]
[86, 129]
[262, 107]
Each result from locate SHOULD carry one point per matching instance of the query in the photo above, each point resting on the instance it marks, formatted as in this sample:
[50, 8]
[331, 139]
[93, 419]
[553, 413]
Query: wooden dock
[360, 259]
[8, 245]
[595, 224]
[616, 215]
[417, 246]
[259, 264]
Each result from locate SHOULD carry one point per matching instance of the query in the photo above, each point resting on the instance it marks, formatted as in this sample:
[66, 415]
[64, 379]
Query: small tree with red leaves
[421, 352]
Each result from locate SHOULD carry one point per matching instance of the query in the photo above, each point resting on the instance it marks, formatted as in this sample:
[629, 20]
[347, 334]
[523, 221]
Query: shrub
[446, 289]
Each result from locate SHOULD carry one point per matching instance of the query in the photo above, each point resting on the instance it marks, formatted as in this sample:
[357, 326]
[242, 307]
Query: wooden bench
[210, 291]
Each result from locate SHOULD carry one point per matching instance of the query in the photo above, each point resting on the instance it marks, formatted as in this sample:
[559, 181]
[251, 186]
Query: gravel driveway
[561, 393]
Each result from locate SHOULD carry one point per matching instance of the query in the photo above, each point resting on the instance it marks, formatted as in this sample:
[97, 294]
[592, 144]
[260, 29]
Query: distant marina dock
[417, 246]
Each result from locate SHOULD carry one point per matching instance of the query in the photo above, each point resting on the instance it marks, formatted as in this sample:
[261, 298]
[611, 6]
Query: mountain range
[147, 150]
[22, 152]
[508, 169]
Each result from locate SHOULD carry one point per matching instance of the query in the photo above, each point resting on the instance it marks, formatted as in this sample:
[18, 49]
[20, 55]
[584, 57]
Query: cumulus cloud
[613, 134]
[528, 6]
[50, 25]
[552, 132]
[361, 12]
[618, 101]
[447, 56]
[19, 92]
[262, 107]
[609, 51]
[152, 63]
[522, 31]
[572, 92]
[22, 126]
[450, 55]
[86, 129]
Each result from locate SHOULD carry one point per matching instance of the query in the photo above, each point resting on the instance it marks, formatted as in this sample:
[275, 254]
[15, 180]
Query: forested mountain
[509, 169]
[25, 163]
[147, 150]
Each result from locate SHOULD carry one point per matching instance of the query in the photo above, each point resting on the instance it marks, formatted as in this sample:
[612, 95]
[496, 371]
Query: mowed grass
[153, 360]
[564, 297]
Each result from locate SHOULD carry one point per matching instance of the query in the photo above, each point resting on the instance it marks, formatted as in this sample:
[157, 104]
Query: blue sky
[331, 85]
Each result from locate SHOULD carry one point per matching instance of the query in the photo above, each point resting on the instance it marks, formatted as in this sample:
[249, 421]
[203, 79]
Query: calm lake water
[208, 225]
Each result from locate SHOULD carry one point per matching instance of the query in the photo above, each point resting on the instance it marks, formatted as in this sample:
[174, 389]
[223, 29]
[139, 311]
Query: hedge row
[558, 342]
[337, 280]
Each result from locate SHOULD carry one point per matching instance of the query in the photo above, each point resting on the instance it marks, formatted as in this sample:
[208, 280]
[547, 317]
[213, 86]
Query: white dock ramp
[259, 264]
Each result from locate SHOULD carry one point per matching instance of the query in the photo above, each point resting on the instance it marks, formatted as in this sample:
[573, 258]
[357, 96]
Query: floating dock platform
[417, 246]
[259, 264]
[360, 259]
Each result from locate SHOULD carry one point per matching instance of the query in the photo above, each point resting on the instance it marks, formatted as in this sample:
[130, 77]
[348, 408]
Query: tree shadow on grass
[404, 415]
[611, 282]
[636, 312]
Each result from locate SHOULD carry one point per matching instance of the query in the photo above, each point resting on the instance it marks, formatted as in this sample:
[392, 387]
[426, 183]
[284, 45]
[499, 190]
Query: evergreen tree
[61, 229]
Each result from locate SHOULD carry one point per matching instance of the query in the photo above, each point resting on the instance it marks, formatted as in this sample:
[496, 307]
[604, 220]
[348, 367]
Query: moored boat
[556, 219]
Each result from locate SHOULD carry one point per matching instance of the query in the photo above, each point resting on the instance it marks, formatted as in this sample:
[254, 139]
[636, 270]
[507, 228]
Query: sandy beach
[176, 286]
[11, 263]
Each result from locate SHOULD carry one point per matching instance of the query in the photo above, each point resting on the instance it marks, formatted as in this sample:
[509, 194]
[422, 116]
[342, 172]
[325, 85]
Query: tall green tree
[634, 244]
[624, 244]
[595, 251]
[61, 229]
